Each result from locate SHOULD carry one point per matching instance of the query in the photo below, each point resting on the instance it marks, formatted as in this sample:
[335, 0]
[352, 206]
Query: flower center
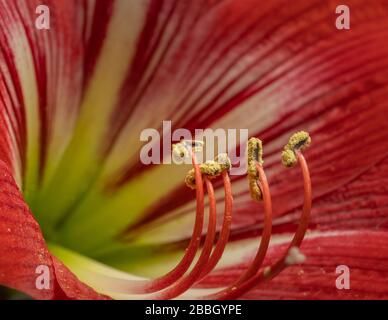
[188, 273]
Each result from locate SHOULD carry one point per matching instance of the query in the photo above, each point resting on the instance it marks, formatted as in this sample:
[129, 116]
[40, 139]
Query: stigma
[182, 150]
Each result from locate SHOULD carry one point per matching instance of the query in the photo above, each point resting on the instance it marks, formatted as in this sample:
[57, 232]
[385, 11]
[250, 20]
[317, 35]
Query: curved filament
[132, 286]
[264, 243]
[183, 277]
[266, 235]
[225, 229]
[183, 284]
[280, 265]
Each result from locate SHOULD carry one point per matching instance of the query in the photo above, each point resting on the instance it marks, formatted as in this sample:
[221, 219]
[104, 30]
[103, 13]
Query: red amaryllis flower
[75, 98]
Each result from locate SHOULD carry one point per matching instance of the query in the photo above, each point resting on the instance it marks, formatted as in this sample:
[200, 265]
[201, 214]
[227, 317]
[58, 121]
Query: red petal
[364, 252]
[23, 249]
[71, 287]
[331, 83]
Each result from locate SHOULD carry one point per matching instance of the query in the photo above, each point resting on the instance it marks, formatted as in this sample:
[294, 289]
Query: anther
[254, 157]
[223, 160]
[183, 149]
[298, 142]
[210, 169]
[194, 145]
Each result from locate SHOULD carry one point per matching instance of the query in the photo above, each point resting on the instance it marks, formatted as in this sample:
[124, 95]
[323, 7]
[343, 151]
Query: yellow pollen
[211, 169]
[223, 160]
[254, 189]
[179, 150]
[255, 156]
[298, 141]
[182, 149]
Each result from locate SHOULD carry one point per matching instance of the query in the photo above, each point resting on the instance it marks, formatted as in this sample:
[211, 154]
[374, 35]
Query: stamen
[225, 164]
[266, 235]
[254, 157]
[185, 283]
[129, 286]
[175, 282]
[183, 149]
[225, 229]
[233, 292]
[190, 252]
[210, 170]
